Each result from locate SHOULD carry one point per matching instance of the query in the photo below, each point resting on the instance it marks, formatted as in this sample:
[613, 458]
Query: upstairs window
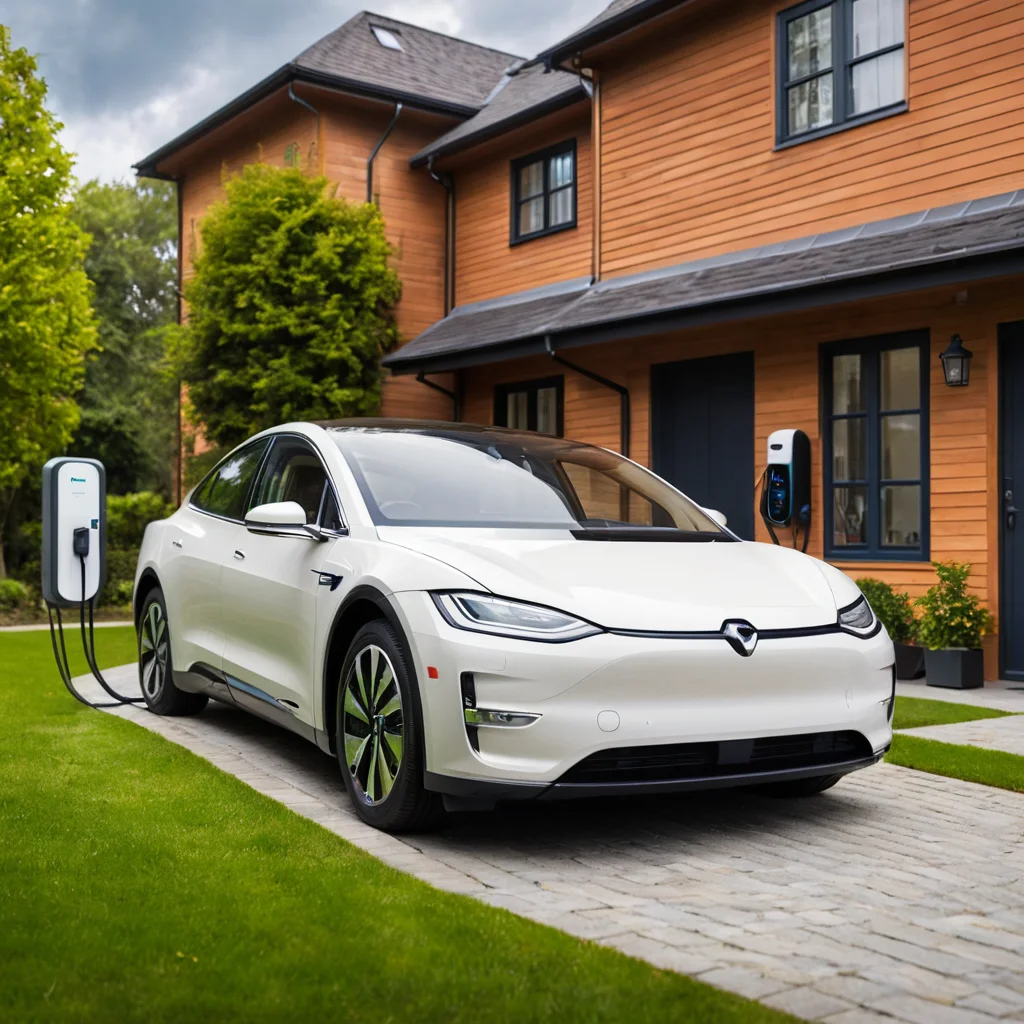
[535, 405]
[544, 192]
[840, 63]
[876, 448]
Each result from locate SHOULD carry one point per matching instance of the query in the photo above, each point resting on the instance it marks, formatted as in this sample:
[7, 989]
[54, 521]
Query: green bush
[13, 595]
[128, 515]
[121, 565]
[893, 609]
[950, 616]
[289, 309]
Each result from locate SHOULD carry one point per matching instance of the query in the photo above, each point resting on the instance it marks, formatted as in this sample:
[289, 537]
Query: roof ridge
[443, 35]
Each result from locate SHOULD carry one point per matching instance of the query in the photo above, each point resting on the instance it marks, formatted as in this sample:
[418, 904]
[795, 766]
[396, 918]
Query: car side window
[293, 473]
[227, 487]
[331, 518]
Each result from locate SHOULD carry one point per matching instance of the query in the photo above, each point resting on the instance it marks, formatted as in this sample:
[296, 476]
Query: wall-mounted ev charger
[75, 557]
[786, 499]
[74, 524]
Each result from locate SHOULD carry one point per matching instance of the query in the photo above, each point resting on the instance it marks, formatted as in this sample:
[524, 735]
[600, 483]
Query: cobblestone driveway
[897, 895]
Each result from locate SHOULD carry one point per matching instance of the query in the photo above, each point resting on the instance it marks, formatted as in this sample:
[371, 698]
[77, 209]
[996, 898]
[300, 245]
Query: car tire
[379, 733]
[156, 677]
[799, 787]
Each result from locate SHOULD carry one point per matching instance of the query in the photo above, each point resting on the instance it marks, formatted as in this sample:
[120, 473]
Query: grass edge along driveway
[140, 883]
[971, 764]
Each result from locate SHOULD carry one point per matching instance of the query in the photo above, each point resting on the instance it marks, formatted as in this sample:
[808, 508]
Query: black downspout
[422, 378]
[309, 106]
[376, 149]
[619, 389]
[448, 184]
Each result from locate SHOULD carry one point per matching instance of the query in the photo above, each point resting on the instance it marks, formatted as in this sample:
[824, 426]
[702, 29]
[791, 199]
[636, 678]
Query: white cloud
[126, 76]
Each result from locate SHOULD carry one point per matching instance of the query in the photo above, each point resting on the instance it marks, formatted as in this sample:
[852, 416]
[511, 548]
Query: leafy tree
[46, 321]
[289, 309]
[129, 404]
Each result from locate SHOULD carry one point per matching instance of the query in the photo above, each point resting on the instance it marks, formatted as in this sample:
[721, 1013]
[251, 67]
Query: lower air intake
[681, 761]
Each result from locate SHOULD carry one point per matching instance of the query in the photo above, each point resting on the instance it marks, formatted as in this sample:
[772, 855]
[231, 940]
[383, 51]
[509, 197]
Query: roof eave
[493, 131]
[999, 262]
[148, 167]
[604, 31]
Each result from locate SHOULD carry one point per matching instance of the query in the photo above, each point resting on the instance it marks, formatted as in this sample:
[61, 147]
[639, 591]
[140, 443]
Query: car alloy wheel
[154, 651]
[373, 725]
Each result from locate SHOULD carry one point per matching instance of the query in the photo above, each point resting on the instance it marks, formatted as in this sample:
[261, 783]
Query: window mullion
[872, 366]
[842, 21]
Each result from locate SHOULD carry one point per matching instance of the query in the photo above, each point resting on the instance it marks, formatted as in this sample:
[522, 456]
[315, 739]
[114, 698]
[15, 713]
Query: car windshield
[514, 480]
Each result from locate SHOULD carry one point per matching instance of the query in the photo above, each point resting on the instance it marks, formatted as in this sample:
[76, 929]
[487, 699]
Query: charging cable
[81, 550]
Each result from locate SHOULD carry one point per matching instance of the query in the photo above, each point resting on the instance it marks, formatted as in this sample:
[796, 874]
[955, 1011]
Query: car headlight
[859, 619]
[499, 616]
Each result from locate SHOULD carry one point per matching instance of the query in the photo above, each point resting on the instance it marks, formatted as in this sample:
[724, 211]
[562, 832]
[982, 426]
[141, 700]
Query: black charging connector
[81, 544]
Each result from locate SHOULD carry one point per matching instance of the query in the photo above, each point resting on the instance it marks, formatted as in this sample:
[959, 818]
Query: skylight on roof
[386, 38]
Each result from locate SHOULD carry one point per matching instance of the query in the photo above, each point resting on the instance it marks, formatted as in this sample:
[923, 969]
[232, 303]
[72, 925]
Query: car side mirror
[282, 519]
[718, 517]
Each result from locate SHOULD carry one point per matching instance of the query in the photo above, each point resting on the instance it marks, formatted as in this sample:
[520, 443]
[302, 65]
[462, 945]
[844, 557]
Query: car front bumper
[611, 714]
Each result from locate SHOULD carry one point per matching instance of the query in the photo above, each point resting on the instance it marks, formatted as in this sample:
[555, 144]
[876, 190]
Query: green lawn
[914, 713]
[972, 764]
[138, 883]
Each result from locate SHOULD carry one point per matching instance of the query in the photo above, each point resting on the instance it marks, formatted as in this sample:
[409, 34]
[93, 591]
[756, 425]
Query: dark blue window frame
[871, 349]
[843, 63]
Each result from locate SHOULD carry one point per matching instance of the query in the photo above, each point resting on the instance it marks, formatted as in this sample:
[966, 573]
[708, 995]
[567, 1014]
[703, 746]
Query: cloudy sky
[126, 76]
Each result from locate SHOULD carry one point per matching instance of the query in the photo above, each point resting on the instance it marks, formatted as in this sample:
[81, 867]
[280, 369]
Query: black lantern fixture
[956, 363]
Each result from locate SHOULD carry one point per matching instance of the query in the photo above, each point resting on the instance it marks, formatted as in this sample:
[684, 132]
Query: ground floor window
[533, 405]
[876, 448]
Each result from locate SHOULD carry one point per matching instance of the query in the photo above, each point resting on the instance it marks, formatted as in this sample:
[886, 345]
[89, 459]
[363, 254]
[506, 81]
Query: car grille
[718, 760]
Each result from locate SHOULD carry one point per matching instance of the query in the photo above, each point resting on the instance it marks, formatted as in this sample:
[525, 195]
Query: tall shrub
[289, 311]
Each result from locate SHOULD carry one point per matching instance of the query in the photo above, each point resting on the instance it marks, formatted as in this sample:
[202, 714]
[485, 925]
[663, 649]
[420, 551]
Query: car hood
[653, 586]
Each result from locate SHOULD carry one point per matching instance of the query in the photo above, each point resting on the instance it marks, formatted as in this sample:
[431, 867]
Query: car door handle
[177, 544]
[240, 555]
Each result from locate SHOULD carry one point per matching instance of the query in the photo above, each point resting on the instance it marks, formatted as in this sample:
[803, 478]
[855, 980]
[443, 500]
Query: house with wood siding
[693, 223]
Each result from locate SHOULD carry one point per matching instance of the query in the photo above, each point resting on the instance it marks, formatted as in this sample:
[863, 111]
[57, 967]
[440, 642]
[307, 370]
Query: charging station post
[75, 558]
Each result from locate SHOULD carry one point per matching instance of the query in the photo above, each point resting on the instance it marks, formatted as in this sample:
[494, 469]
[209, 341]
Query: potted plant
[896, 613]
[951, 627]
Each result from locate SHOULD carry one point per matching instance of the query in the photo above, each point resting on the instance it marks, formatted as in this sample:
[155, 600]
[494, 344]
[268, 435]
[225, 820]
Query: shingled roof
[521, 96]
[430, 66]
[943, 245]
[619, 16]
[431, 72]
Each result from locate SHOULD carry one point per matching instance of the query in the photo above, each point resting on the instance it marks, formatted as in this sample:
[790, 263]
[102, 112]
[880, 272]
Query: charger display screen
[778, 495]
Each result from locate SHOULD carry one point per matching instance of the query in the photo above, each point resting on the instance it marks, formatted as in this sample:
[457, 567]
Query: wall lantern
[956, 363]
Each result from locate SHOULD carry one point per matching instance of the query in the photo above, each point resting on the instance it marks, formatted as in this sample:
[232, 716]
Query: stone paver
[1005, 734]
[897, 896]
[1002, 696]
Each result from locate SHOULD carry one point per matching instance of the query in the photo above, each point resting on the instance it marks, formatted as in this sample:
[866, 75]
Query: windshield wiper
[650, 533]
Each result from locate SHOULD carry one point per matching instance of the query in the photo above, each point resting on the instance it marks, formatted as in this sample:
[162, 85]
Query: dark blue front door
[1011, 410]
[702, 433]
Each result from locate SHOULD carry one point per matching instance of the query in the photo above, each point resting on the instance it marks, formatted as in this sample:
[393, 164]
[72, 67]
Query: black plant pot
[909, 661]
[956, 669]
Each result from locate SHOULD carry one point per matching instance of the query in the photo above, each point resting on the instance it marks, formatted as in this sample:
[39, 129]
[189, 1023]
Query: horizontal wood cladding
[688, 160]
[413, 205]
[487, 265]
[965, 508]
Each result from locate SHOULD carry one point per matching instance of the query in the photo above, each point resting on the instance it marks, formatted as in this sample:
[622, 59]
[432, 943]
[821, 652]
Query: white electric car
[467, 615]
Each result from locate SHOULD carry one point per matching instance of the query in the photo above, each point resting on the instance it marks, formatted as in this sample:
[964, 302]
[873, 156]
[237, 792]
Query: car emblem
[742, 637]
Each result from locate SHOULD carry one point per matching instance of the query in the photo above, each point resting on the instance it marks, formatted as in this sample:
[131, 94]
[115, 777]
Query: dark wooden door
[1011, 587]
[702, 433]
